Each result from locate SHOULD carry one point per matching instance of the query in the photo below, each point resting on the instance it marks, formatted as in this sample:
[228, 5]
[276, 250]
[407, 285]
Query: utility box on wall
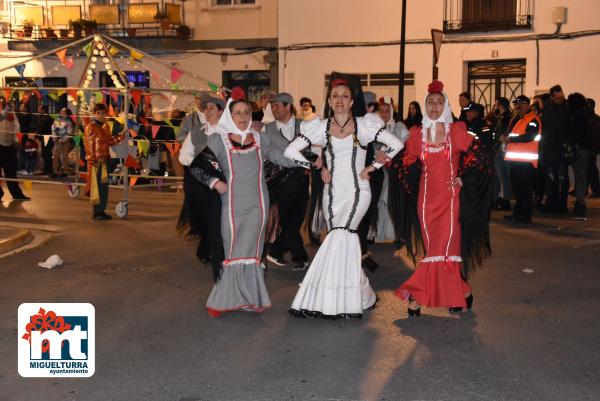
[559, 15]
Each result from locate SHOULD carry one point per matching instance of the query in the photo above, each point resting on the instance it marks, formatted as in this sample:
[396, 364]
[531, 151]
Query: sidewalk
[13, 238]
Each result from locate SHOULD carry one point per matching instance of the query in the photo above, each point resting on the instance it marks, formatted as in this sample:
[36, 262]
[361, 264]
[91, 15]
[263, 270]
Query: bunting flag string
[175, 75]
[20, 70]
[26, 97]
[143, 146]
[136, 55]
[69, 63]
[155, 129]
[136, 95]
[131, 162]
[62, 55]
[114, 96]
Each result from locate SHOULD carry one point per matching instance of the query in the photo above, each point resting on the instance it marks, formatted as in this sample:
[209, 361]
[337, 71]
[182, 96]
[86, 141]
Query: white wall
[572, 63]
[213, 23]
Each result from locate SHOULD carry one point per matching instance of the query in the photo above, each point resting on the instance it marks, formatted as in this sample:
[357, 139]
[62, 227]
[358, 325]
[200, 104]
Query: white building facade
[491, 48]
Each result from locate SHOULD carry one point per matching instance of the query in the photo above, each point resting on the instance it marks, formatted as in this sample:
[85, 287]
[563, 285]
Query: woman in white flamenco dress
[335, 285]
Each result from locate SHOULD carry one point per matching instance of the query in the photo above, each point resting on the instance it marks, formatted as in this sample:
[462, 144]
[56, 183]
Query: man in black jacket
[580, 141]
[555, 127]
[593, 177]
[503, 116]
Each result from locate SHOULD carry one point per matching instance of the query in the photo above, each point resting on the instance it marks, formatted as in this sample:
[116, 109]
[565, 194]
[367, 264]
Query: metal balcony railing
[461, 16]
[51, 19]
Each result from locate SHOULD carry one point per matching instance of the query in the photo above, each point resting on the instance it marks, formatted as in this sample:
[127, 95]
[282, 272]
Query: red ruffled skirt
[436, 284]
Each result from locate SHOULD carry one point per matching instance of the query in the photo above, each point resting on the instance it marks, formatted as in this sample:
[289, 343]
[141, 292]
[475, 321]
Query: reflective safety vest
[528, 151]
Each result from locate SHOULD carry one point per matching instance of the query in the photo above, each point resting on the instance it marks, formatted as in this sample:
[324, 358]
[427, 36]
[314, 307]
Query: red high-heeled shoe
[213, 312]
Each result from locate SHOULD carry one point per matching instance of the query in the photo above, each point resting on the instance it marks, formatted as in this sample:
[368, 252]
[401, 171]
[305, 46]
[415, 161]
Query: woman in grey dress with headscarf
[240, 152]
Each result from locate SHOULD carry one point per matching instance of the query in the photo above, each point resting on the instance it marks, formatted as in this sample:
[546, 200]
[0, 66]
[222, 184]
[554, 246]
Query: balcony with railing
[68, 19]
[463, 16]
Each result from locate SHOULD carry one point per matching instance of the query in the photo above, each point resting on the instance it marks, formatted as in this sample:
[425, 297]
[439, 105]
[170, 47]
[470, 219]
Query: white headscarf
[391, 123]
[226, 125]
[444, 118]
[268, 115]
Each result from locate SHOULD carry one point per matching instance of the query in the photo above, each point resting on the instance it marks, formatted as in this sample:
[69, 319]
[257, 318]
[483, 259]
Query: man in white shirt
[197, 134]
[292, 207]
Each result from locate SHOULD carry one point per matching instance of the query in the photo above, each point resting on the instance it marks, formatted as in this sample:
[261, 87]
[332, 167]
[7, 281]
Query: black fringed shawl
[476, 195]
[210, 248]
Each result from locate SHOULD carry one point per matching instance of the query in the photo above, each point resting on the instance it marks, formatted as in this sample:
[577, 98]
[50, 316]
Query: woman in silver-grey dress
[240, 152]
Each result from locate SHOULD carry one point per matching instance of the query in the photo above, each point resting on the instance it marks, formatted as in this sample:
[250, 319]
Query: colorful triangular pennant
[175, 74]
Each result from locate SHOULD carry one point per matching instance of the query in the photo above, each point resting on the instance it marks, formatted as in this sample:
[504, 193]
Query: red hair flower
[238, 93]
[435, 87]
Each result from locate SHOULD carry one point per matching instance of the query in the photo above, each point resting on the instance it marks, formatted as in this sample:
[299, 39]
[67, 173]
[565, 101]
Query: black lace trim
[376, 139]
[344, 228]
[356, 187]
[303, 313]
[306, 139]
[332, 156]
[301, 163]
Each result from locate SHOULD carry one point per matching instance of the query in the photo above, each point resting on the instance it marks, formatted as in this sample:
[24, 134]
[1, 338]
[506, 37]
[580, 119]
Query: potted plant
[64, 33]
[27, 28]
[76, 26]
[131, 31]
[89, 26]
[49, 32]
[183, 32]
[163, 18]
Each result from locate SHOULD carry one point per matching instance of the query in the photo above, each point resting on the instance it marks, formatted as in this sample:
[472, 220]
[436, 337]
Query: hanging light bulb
[108, 67]
[90, 72]
[102, 53]
[93, 66]
[99, 46]
[94, 59]
[110, 72]
[95, 52]
[97, 38]
[105, 60]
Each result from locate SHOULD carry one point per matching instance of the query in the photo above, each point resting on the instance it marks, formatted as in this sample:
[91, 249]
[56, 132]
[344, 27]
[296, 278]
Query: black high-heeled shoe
[457, 309]
[413, 312]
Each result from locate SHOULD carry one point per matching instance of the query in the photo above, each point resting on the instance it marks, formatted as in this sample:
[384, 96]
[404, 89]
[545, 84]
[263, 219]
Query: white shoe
[277, 262]
[22, 172]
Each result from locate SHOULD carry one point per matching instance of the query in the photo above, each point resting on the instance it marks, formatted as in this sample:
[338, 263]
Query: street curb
[20, 238]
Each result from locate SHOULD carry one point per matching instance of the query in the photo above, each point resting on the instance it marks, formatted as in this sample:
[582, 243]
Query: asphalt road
[529, 336]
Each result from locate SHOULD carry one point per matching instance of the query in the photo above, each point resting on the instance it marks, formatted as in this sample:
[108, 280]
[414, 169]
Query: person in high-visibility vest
[522, 153]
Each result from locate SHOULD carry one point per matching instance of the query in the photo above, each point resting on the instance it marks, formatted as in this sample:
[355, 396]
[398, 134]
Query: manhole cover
[128, 269]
